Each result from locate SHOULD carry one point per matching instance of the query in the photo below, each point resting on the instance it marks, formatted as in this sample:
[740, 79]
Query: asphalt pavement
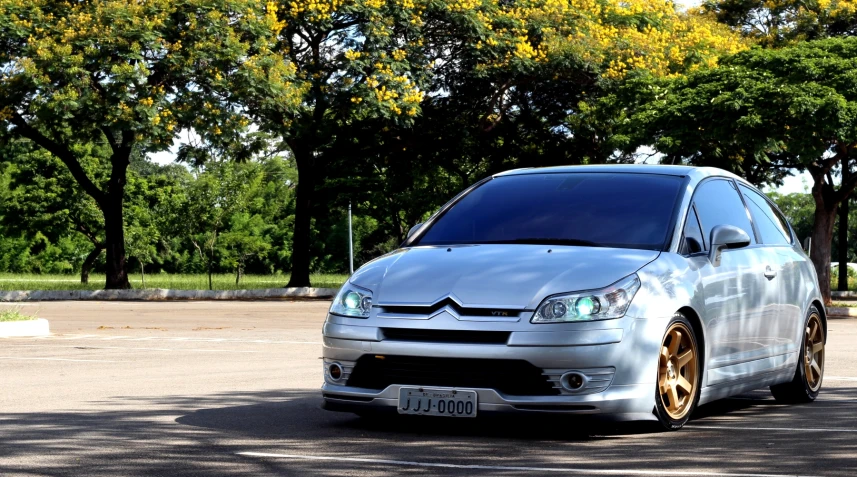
[232, 388]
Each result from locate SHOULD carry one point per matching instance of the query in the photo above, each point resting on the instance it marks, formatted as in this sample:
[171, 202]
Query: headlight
[352, 301]
[604, 304]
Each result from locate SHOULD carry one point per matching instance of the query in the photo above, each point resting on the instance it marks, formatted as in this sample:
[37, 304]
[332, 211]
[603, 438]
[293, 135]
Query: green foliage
[762, 114]
[784, 22]
[129, 75]
[240, 214]
[391, 106]
[183, 281]
[799, 210]
[14, 314]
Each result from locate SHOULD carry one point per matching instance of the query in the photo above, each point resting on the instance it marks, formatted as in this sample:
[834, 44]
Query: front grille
[462, 311]
[511, 377]
[445, 336]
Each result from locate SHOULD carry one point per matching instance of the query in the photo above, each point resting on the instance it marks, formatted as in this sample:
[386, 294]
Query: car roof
[697, 173]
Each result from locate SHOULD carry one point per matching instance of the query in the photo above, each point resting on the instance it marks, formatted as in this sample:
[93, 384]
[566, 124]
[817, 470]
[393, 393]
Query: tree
[774, 111]
[141, 232]
[140, 242]
[775, 23]
[367, 60]
[128, 75]
[215, 216]
[43, 198]
[244, 240]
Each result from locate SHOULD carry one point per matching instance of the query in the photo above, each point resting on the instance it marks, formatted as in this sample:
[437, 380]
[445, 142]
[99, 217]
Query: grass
[12, 281]
[834, 280]
[852, 284]
[14, 314]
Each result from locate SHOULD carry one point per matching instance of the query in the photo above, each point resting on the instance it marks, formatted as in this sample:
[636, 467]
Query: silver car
[632, 290]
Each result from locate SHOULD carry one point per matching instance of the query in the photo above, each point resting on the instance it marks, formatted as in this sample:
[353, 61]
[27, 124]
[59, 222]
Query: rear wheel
[678, 374]
[806, 384]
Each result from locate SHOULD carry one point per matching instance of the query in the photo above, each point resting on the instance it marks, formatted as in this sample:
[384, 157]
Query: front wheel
[806, 384]
[678, 374]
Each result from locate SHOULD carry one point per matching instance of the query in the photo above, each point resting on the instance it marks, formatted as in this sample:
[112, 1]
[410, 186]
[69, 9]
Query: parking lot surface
[232, 388]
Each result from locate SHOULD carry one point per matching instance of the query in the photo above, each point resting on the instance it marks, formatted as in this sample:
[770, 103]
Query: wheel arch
[822, 312]
[699, 330]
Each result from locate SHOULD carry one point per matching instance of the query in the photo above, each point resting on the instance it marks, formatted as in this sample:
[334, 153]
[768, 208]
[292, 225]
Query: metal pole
[350, 243]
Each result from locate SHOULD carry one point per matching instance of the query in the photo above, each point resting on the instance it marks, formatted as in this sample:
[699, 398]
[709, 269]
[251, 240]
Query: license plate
[437, 402]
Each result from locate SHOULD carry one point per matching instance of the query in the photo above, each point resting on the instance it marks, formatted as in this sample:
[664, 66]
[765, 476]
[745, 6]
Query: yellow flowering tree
[378, 60]
[129, 75]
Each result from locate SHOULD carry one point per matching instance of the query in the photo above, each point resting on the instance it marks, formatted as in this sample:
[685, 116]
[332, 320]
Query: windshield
[591, 209]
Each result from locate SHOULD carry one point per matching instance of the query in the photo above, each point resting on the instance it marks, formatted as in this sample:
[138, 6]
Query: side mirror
[414, 229]
[807, 245]
[726, 237]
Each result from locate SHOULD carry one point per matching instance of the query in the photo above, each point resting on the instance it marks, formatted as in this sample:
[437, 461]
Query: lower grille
[445, 336]
[511, 377]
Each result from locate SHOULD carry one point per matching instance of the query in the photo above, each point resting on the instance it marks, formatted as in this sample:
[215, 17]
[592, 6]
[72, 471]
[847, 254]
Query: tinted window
[604, 209]
[718, 203]
[693, 239]
[772, 227]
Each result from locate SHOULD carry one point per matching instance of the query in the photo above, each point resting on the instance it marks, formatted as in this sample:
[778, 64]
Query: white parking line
[839, 378]
[60, 359]
[567, 470]
[776, 429]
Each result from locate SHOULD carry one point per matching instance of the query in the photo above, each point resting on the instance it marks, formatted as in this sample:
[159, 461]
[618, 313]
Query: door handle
[770, 273]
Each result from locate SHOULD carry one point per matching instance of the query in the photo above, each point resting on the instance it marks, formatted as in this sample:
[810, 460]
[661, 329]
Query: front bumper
[632, 401]
[628, 347]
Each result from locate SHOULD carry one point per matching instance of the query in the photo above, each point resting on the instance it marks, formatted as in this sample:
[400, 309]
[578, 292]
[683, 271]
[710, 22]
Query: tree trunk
[89, 262]
[303, 218]
[116, 265]
[112, 207]
[843, 245]
[822, 236]
[142, 275]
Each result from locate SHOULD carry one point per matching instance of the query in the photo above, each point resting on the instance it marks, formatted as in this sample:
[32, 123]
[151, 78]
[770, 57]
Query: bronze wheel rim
[813, 352]
[677, 371]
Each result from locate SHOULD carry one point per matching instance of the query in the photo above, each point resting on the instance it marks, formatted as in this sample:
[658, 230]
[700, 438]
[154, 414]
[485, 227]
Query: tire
[679, 374]
[806, 383]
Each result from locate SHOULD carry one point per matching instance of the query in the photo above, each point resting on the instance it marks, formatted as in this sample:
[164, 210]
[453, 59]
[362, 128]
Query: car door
[736, 292]
[783, 315]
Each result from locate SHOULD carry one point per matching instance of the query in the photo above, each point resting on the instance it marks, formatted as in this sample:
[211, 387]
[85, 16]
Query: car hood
[494, 276]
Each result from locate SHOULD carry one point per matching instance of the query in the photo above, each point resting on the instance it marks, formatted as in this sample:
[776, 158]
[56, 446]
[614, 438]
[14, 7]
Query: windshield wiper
[551, 241]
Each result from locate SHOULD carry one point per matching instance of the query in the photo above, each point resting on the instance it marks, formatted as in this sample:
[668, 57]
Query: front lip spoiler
[635, 398]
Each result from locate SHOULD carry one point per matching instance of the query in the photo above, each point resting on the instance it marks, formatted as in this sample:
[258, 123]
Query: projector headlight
[352, 301]
[604, 304]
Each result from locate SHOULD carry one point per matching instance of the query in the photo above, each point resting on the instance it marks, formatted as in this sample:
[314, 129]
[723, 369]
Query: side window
[772, 227]
[694, 242]
[718, 203]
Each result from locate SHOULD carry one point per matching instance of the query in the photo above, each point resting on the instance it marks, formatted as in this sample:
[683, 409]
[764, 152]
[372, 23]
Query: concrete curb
[158, 294]
[16, 329]
[843, 295]
[841, 312]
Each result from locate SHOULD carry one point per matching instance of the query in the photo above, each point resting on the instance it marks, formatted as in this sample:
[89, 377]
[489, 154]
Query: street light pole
[350, 243]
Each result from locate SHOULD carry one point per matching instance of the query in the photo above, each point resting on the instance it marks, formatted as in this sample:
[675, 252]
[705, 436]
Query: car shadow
[203, 434]
[301, 413]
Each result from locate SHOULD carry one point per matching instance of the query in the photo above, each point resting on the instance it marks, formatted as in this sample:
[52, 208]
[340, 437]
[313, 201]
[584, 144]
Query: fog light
[573, 381]
[335, 371]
